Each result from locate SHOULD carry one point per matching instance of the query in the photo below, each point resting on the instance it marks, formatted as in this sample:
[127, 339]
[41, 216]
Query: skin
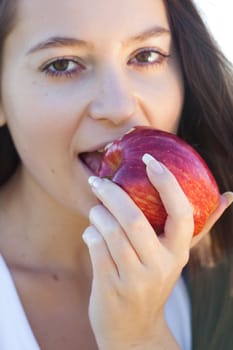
[101, 90]
[106, 95]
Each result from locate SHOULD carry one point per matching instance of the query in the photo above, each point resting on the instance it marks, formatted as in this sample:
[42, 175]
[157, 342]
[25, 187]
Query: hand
[134, 270]
[226, 200]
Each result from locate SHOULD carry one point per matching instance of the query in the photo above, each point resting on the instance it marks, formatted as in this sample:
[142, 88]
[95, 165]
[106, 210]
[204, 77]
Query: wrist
[161, 339]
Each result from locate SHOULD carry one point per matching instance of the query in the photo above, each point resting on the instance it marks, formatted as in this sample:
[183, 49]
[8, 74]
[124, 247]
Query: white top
[177, 313]
[16, 333]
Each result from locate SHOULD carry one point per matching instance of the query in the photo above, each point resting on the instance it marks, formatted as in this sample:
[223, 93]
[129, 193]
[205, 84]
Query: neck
[37, 231]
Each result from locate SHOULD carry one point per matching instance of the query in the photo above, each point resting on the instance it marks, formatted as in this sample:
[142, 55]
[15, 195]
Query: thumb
[226, 200]
[228, 197]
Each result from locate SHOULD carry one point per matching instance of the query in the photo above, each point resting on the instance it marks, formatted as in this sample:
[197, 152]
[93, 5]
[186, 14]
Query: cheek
[48, 157]
[41, 119]
[170, 99]
[162, 98]
[35, 135]
[43, 137]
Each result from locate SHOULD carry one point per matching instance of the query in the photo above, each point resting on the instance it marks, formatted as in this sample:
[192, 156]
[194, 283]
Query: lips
[92, 158]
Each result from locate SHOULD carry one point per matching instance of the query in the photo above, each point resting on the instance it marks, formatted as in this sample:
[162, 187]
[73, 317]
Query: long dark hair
[207, 124]
[8, 156]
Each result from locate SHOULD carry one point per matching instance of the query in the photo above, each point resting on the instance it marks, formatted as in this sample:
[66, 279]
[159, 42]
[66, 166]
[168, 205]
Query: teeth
[107, 146]
[129, 131]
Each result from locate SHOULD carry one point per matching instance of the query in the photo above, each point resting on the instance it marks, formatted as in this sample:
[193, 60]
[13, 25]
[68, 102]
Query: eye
[62, 67]
[147, 57]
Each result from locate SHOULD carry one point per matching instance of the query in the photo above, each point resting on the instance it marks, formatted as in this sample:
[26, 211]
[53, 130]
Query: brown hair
[8, 156]
[207, 124]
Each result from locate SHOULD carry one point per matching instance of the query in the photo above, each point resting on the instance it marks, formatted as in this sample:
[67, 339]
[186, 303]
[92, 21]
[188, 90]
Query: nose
[114, 100]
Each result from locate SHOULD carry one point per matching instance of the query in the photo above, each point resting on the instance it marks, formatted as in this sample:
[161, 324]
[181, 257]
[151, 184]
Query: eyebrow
[155, 31]
[59, 41]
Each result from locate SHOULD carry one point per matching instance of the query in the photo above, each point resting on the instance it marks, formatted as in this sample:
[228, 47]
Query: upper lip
[97, 148]
[102, 145]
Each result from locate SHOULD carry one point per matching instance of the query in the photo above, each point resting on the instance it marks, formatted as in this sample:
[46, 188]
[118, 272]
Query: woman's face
[79, 73]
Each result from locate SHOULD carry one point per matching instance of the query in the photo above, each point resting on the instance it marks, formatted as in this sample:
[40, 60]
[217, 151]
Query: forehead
[89, 18]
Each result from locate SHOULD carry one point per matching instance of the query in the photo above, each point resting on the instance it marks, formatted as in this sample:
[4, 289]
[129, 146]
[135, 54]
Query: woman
[67, 89]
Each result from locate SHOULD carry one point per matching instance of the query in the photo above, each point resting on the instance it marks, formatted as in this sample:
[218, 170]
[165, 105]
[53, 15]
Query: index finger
[179, 225]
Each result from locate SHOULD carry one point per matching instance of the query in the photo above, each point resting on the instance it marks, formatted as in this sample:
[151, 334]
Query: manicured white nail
[152, 163]
[94, 181]
[90, 237]
[229, 197]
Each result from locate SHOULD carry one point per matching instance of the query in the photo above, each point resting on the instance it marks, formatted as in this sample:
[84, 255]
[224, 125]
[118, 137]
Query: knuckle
[184, 258]
[185, 210]
[188, 212]
[112, 230]
[134, 222]
[185, 215]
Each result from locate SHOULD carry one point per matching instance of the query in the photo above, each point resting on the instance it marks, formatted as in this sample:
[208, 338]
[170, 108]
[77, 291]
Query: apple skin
[122, 163]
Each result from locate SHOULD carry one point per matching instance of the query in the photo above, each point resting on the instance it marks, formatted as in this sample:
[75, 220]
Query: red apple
[122, 163]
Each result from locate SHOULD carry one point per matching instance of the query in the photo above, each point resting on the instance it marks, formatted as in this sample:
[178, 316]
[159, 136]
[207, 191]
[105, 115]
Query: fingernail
[94, 181]
[229, 197]
[154, 165]
[91, 238]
